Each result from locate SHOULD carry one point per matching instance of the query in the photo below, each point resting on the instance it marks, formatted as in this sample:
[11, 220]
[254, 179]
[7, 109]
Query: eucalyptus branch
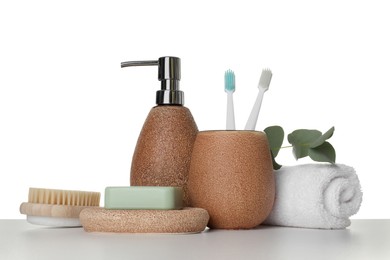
[305, 142]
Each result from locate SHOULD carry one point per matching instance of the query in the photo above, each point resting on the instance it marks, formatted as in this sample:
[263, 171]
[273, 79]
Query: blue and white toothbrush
[230, 87]
[265, 80]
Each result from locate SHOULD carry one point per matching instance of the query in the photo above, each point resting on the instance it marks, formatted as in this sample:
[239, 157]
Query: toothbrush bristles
[265, 79]
[230, 81]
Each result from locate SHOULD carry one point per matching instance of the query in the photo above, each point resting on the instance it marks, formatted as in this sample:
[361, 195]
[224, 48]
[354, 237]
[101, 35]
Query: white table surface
[364, 239]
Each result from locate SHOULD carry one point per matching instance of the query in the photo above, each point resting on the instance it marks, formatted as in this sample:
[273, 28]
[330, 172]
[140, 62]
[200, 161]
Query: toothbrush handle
[230, 121]
[252, 120]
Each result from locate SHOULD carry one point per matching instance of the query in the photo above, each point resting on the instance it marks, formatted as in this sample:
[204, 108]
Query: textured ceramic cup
[231, 176]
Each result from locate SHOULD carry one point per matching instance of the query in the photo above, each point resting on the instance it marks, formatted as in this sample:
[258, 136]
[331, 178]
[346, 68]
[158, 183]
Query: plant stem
[290, 146]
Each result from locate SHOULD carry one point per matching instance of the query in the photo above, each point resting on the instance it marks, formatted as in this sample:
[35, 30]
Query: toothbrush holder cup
[231, 176]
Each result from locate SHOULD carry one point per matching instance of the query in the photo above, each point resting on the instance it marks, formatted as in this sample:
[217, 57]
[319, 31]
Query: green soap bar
[143, 197]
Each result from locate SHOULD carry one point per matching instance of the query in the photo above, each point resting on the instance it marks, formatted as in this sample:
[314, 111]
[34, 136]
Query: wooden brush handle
[48, 210]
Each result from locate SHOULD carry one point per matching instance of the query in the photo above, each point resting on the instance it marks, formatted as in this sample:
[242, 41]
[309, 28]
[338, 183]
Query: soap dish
[186, 220]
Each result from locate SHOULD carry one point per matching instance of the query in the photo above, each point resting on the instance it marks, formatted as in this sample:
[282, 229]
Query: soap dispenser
[163, 151]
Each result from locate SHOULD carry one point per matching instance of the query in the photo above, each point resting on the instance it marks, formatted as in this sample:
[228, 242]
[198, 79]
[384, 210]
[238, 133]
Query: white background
[70, 116]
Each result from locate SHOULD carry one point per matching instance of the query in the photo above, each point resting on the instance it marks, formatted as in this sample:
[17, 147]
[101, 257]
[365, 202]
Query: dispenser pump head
[169, 75]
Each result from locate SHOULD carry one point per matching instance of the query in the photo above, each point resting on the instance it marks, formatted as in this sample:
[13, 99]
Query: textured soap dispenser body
[163, 151]
[164, 148]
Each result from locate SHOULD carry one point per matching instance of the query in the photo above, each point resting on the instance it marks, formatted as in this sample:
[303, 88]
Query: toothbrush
[265, 80]
[230, 87]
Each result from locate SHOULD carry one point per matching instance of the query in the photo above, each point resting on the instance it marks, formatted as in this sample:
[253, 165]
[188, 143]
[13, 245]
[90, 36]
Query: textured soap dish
[186, 220]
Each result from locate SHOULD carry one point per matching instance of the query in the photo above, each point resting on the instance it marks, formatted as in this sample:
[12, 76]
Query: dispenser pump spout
[169, 75]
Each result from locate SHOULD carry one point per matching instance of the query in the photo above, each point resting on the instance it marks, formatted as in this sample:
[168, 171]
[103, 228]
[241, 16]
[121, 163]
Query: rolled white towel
[315, 196]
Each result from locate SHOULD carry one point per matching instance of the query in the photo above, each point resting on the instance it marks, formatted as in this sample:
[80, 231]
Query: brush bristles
[63, 197]
[230, 81]
[265, 79]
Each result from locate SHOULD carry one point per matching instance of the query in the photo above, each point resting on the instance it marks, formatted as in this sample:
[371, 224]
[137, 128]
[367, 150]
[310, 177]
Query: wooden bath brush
[60, 208]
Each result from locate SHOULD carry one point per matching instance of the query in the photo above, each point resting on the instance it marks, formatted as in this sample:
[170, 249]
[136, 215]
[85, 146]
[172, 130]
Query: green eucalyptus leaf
[275, 135]
[301, 140]
[323, 153]
[322, 138]
[275, 165]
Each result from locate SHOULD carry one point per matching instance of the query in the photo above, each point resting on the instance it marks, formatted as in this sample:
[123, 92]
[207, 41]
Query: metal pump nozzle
[169, 75]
